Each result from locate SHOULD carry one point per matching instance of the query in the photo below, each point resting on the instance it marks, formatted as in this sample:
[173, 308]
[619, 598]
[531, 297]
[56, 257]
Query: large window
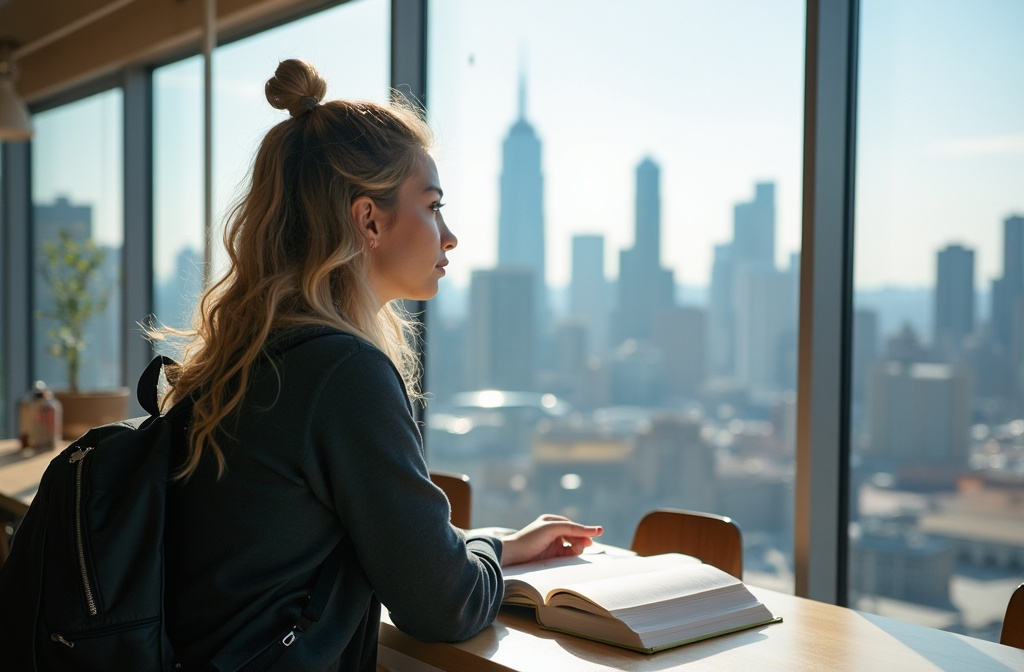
[937, 511]
[348, 44]
[78, 203]
[617, 328]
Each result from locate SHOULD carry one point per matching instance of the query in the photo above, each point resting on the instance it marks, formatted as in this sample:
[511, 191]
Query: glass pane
[937, 517]
[78, 231]
[617, 329]
[354, 67]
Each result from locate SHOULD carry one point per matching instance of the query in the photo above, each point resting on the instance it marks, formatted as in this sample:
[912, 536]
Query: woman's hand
[549, 536]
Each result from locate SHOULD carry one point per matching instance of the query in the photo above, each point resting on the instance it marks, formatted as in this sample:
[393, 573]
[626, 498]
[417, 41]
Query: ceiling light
[15, 122]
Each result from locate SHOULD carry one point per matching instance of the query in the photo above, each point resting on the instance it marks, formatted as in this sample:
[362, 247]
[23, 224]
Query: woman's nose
[448, 239]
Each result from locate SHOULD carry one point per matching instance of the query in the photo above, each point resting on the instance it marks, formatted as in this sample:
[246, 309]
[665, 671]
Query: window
[354, 67]
[78, 197]
[938, 397]
[617, 330]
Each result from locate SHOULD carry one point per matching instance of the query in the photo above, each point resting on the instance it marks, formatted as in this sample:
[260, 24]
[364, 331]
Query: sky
[712, 91]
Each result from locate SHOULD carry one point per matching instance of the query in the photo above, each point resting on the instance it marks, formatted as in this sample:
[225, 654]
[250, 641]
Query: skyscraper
[754, 227]
[954, 299]
[521, 210]
[500, 350]
[644, 286]
[1008, 291]
[588, 298]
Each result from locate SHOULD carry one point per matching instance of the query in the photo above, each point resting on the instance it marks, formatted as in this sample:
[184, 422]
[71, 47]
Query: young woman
[302, 439]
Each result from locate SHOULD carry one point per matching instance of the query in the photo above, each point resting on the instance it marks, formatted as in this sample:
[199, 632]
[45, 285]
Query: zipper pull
[57, 638]
[79, 454]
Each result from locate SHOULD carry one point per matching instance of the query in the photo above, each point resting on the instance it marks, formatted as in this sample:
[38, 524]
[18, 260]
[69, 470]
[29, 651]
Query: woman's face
[409, 257]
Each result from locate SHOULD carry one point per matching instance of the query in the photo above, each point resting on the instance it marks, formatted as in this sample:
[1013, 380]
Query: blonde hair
[295, 255]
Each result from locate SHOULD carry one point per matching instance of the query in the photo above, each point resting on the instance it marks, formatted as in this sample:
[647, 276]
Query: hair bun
[296, 86]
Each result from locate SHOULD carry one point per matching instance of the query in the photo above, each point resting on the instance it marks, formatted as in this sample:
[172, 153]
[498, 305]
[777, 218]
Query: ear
[366, 215]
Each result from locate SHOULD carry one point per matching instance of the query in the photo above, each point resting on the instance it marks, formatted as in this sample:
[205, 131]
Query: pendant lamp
[15, 122]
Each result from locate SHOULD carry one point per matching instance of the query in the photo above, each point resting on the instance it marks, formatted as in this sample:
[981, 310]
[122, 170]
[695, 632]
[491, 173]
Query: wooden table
[20, 471]
[812, 636]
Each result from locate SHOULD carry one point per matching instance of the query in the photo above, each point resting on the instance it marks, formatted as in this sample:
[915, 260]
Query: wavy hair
[295, 255]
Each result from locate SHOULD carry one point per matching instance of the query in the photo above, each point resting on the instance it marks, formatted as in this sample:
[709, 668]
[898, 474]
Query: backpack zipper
[77, 459]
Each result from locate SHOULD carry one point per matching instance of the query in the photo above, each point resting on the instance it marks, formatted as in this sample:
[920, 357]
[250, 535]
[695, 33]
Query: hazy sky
[713, 91]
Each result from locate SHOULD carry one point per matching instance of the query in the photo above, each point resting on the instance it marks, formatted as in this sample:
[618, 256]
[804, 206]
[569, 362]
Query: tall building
[721, 320]
[954, 299]
[645, 288]
[750, 254]
[521, 210]
[588, 291]
[1008, 291]
[754, 227]
[500, 349]
[765, 304]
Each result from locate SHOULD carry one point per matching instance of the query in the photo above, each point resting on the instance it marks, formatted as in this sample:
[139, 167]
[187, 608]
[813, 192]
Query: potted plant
[72, 271]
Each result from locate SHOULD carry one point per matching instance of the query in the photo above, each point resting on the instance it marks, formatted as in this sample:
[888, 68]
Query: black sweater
[325, 451]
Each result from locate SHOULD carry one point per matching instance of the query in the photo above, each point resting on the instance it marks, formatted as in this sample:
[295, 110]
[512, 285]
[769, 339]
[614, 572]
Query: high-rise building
[752, 254]
[954, 300]
[1008, 291]
[680, 334]
[764, 301]
[645, 288]
[588, 292]
[754, 227]
[521, 210]
[721, 320]
[500, 349]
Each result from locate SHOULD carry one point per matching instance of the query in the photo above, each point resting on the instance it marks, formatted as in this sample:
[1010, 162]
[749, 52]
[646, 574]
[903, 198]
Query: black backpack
[83, 586]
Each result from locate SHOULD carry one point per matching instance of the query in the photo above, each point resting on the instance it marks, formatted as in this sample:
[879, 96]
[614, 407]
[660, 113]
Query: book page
[668, 583]
[545, 578]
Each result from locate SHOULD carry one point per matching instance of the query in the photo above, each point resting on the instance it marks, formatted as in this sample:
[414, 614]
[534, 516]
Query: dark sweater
[325, 451]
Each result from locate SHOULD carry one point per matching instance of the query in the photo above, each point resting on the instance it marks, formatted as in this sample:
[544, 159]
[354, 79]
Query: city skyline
[954, 175]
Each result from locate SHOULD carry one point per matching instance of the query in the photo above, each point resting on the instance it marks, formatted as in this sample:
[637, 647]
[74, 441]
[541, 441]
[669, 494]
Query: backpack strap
[149, 384]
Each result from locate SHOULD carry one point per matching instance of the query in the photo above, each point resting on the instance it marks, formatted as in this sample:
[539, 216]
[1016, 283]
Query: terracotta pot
[84, 410]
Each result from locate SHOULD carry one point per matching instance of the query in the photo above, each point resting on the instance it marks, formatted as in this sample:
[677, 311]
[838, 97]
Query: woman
[302, 439]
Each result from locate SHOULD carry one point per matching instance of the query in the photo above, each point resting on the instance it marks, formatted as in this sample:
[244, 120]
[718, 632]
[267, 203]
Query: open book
[642, 603]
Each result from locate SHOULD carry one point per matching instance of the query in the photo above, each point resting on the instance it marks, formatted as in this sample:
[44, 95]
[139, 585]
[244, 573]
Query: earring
[373, 244]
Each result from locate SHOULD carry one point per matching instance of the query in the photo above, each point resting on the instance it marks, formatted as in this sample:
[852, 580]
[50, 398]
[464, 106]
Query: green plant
[72, 272]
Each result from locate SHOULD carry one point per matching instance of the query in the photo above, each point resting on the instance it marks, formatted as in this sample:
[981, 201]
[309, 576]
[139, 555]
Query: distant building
[721, 317]
[500, 348]
[1008, 290]
[954, 300]
[644, 287]
[754, 227]
[891, 561]
[919, 413]
[521, 239]
[765, 304]
[680, 334]
[589, 298]
[983, 524]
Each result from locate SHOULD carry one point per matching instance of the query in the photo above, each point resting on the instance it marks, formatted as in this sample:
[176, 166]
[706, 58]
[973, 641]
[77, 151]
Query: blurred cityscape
[613, 396]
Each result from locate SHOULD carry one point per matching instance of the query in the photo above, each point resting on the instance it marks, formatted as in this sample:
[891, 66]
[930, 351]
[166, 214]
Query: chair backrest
[715, 540]
[460, 496]
[1013, 622]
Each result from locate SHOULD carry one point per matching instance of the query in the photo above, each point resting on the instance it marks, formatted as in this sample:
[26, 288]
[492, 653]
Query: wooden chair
[713, 539]
[460, 496]
[1013, 622]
